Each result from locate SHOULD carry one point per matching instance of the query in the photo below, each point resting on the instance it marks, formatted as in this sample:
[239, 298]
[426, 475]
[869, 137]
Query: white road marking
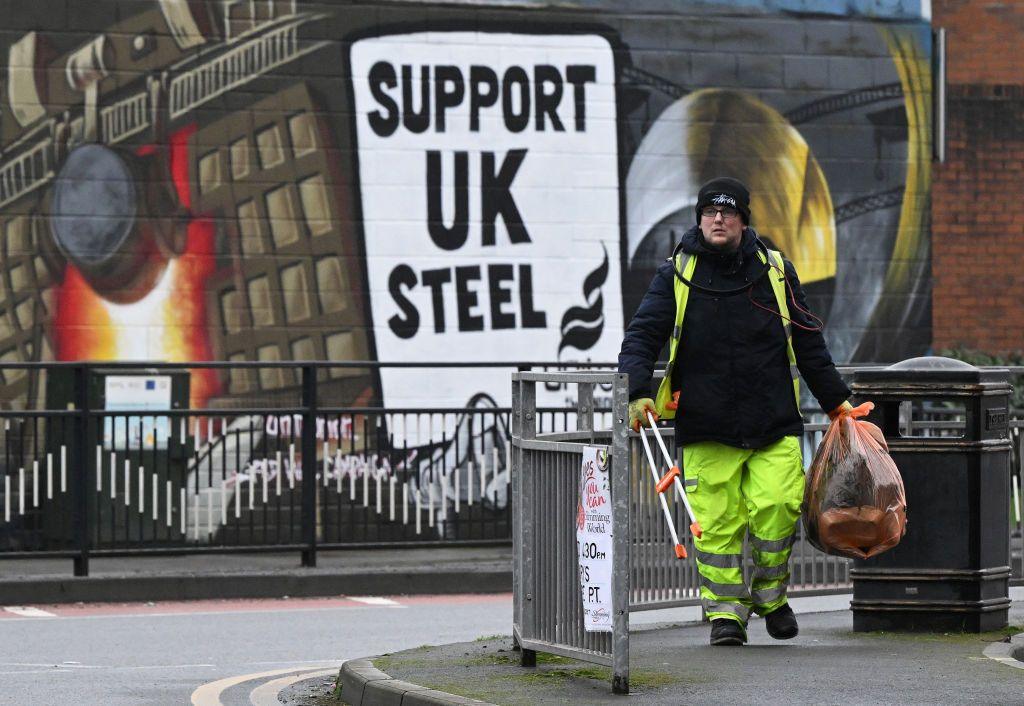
[138, 616]
[79, 665]
[266, 694]
[34, 664]
[72, 667]
[27, 612]
[209, 694]
[311, 662]
[372, 600]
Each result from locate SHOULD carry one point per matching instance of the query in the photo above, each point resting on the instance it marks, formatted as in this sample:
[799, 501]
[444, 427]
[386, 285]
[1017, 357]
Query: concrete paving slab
[826, 663]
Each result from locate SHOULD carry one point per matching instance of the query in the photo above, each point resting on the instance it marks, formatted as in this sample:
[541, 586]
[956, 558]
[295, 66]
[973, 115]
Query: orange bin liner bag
[854, 502]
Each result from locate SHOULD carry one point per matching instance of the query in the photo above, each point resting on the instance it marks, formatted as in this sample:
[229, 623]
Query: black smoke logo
[582, 325]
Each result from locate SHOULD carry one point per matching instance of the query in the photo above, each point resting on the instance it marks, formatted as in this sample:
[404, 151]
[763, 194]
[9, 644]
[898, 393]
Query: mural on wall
[231, 180]
[492, 230]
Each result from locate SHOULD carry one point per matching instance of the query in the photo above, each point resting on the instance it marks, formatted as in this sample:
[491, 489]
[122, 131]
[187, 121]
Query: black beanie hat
[725, 191]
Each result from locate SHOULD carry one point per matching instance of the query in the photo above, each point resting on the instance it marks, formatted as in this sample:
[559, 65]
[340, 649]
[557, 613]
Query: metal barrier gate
[547, 603]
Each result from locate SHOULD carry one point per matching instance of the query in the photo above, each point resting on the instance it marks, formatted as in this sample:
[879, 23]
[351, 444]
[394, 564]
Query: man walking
[738, 329]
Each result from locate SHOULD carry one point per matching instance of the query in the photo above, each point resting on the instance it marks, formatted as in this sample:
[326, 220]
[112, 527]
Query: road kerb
[362, 684]
[1009, 653]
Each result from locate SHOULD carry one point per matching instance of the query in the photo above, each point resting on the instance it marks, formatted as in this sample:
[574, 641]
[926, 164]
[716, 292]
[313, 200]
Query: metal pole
[80, 474]
[620, 534]
[527, 500]
[309, 465]
[516, 477]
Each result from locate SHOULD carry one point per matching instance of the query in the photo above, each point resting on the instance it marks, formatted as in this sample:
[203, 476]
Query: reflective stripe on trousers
[772, 545]
[725, 590]
[720, 609]
[735, 493]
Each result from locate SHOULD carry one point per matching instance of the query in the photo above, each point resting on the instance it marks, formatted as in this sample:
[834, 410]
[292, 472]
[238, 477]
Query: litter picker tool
[673, 475]
[680, 549]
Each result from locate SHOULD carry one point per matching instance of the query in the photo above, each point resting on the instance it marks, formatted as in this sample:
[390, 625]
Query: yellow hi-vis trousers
[734, 492]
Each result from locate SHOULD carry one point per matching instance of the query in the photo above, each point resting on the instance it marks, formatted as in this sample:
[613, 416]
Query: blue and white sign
[132, 393]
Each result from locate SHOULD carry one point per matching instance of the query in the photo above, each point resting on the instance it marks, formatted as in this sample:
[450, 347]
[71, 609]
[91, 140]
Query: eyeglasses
[728, 213]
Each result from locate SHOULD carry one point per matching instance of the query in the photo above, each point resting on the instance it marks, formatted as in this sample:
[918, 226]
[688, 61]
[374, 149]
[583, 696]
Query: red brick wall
[982, 40]
[978, 193]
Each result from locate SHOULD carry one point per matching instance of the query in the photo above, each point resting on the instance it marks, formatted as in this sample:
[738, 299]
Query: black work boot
[781, 623]
[727, 632]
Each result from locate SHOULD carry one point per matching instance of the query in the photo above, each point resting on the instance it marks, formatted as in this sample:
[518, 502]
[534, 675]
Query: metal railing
[88, 481]
[79, 480]
[547, 602]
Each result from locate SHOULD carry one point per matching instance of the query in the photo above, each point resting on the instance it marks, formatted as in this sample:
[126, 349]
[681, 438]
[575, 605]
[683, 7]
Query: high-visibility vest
[686, 263]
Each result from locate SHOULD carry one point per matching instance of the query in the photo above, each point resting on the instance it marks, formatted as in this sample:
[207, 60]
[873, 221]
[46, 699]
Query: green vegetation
[546, 675]
[1011, 630]
[490, 685]
[505, 672]
[490, 660]
[568, 669]
[976, 357]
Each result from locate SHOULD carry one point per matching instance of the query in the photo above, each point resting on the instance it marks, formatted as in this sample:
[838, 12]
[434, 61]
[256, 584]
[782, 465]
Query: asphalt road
[218, 652]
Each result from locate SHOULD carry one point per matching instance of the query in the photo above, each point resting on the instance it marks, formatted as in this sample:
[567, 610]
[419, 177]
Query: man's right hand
[638, 410]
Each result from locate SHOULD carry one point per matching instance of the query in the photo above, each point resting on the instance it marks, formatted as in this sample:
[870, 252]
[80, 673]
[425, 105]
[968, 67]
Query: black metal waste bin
[946, 423]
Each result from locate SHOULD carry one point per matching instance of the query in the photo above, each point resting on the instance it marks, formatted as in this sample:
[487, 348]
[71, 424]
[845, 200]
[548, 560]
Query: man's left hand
[844, 408]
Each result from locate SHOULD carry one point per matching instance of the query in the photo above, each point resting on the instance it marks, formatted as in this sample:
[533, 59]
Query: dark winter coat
[731, 364]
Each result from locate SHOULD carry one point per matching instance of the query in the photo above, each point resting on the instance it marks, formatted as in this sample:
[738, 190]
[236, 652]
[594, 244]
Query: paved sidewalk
[260, 575]
[673, 664]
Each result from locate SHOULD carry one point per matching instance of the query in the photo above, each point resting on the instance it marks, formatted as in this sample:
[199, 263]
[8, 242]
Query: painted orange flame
[168, 324]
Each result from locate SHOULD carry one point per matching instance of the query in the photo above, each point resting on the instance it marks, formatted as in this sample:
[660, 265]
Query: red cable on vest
[792, 296]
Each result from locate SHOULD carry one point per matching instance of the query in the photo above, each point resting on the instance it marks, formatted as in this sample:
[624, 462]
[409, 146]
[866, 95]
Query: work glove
[841, 410]
[638, 409]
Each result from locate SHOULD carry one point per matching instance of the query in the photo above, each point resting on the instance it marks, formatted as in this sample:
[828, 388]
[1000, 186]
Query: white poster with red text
[594, 539]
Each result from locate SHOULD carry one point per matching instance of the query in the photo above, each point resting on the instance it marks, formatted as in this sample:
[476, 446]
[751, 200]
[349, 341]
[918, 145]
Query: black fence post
[80, 471]
[309, 465]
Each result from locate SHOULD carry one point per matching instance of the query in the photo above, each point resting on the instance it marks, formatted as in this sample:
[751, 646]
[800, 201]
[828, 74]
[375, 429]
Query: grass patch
[461, 689]
[491, 638]
[489, 660]
[505, 675]
[506, 658]
[496, 684]
[387, 664]
[546, 658]
[546, 676]
[643, 679]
